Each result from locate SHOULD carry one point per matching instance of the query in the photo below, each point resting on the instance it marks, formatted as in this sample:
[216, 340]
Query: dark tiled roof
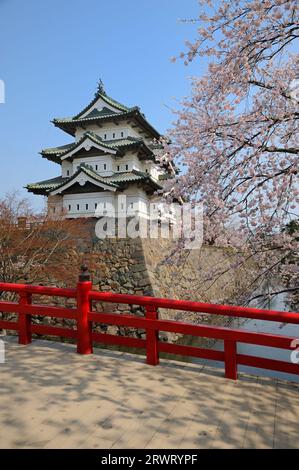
[116, 145]
[56, 150]
[107, 99]
[115, 181]
[69, 124]
[91, 117]
[103, 112]
[42, 187]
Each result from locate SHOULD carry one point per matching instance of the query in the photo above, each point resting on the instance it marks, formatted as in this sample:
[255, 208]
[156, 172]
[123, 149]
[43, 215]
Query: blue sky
[52, 54]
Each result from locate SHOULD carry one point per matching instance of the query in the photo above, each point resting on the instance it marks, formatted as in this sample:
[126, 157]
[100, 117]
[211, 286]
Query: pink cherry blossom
[238, 132]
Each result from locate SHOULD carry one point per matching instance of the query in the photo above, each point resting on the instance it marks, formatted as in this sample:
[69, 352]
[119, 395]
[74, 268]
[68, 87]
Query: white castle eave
[82, 179]
[87, 144]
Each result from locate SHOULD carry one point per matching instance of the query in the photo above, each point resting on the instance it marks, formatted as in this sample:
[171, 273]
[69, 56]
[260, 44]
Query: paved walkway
[51, 397]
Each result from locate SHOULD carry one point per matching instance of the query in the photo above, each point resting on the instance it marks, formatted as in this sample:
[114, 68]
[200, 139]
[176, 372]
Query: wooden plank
[54, 331]
[35, 309]
[39, 290]
[229, 310]
[216, 332]
[191, 351]
[8, 325]
[270, 364]
[119, 340]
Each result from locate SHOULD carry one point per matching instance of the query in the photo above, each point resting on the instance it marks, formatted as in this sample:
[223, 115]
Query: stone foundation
[157, 267]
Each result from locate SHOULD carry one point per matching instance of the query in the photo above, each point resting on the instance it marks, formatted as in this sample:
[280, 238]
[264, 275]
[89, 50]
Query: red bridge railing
[151, 323]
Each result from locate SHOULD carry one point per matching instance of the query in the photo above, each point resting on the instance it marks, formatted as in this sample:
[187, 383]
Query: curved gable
[86, 143]
[82, 176]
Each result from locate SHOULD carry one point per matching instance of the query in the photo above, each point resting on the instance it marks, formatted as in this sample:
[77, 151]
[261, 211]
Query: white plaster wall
[137, 200]
[72, 201]
[129, 159]
[108, 129]
[66, 169]
[112, 163]
[136, 203]
[97, 164]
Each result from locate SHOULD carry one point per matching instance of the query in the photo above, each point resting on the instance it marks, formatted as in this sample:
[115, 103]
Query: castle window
[105, 136]
[68, 172]
[54, 208]
[105, 166]
[117, 167]
[95, 205]
[113, 135]
[70, 207]
[86, 206]
[78, 207]
[146, 171]
[121, 134]
[96, 167]
[127, 167]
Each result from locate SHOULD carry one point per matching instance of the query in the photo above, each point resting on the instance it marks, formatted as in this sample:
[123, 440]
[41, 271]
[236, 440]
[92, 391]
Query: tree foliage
[238, 132]
[35, 248]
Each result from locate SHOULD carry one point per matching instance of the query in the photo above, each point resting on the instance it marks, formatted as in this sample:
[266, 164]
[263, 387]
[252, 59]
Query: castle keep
[114, 153]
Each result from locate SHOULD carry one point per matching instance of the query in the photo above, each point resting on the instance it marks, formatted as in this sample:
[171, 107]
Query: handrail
[84, 317]
[188, 305]
[39, 290]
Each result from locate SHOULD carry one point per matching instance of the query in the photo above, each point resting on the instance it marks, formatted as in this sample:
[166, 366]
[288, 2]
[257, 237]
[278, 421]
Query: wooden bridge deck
[54, 398]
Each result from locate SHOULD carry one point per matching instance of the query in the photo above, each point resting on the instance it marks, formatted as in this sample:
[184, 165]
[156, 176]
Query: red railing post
[152, 338]
[24, 323]
[230, 355]
[84, 326]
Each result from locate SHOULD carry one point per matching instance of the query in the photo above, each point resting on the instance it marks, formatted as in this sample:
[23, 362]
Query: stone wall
[157, 267]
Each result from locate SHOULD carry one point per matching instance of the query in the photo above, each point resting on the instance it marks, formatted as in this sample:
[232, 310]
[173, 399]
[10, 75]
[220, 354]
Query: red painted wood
[205, 331]
[84, 325]
[229, 310]
[191, 351]
[35, 309]
[230, 356]
[54, 331]
[152, 337]
[265, 363]
[24, 320]
[9, 325]
[39, 290]
[119, 340]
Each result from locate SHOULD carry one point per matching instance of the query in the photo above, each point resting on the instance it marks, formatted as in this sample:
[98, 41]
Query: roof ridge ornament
[100, 88]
